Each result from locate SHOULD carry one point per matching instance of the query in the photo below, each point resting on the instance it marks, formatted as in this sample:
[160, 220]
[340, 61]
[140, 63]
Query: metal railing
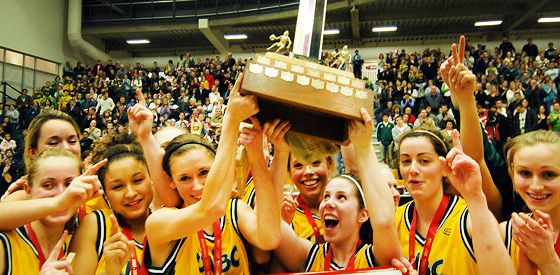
[5, 95]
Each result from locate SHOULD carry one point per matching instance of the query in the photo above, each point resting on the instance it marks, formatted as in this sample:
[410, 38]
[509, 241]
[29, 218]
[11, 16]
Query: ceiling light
[138, 41]
[235, 36]
[549, 19]
[384, 29]
[331, 31]
[487, 23]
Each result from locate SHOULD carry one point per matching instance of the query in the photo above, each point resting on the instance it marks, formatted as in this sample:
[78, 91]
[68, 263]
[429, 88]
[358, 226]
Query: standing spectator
[552, 71]
[424, 119]
[13, 114]
[530, 49]
[524, 121]
[551, 93]
[23, 102]
[554, 117]
[551, 52]
[385, 137]
[68, 71]
[357, 63]
[506, 47]
[104, 103]
[534, 94]
[542, 118]
[98, 68]
[429, 68]
[398, 131]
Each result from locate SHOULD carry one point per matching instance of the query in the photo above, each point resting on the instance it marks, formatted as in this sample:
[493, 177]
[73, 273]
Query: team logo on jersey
[229, 260]
[432, 267]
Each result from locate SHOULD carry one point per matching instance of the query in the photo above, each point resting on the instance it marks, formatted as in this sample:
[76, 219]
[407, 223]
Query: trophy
[317, 100]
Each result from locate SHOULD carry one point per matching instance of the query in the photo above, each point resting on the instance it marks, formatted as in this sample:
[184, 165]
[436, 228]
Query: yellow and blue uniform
[249, 195]
[452, 250]
[21, 256]
[316, 258]
[104, 228]
[186, 256]
[303, 229]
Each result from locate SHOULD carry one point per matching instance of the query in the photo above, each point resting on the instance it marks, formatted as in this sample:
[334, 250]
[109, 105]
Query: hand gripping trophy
[341, 58]
[281, 43]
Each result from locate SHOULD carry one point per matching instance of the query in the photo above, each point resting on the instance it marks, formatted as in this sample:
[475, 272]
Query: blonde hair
[50, 153]
[529, 139]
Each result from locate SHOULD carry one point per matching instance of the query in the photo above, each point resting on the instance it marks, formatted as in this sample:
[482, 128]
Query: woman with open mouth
[349, 209]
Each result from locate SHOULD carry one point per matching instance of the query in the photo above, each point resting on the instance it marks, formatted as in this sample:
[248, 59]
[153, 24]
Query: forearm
[266, 208]
[491, 258]
[279, 173]
[14, 214]
[551, 267]
[220, 180]
[154, 157]
[379, 204]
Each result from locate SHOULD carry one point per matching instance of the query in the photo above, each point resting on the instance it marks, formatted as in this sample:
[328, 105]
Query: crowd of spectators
[188, 93]
[516, 93]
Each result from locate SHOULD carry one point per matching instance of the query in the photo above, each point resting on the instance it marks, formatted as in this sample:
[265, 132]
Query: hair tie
[433, 135]
[358, 185]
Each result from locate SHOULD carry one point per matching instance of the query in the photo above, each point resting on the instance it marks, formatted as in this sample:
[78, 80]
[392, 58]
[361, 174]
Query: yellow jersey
[249, 194]
[21, 256]
[452, 250]
[303, 229]
[316, 258]
[104, 228]
[186, 256]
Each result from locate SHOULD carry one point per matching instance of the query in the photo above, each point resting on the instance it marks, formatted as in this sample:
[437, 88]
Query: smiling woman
[128, 188]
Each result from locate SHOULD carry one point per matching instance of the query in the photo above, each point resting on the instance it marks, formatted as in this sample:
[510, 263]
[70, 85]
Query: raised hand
[535, 237]
[117, 249]
[54, 266]
[241, 107]
[140, 117]
[360, 133]
[457, 56]
[275, 131]
[289, 206]
[82, 188]
[462, 170]
[252, 139]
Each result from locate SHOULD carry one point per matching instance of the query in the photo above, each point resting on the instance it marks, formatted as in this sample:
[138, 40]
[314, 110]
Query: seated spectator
[85, 141]
[424, 119]
[7, 144]
[94, 132]
[554, 117]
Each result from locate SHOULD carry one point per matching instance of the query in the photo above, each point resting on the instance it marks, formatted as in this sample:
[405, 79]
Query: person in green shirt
[554, 117]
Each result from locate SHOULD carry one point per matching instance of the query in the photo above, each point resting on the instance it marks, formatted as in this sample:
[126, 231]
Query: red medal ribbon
[38, 247]
[135, 267]
[436, 220]
[318, 237]
[217, 250]
[349, 265]
[557, 246]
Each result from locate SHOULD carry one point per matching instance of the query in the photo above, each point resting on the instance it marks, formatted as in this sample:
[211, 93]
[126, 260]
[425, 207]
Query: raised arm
[378, 197]
[141, 120]
[462, 84]
[464, 173]
[261, 227]
[167, 225]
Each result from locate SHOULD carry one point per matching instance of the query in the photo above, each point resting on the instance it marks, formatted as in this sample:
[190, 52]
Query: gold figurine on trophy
[284, 42]
[341, 58]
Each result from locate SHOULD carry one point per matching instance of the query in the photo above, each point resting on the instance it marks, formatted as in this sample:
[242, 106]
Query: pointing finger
[94, 168]
[114, 225]
[462, 42]
[140, 96]
[56, 250]
[457, 140]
